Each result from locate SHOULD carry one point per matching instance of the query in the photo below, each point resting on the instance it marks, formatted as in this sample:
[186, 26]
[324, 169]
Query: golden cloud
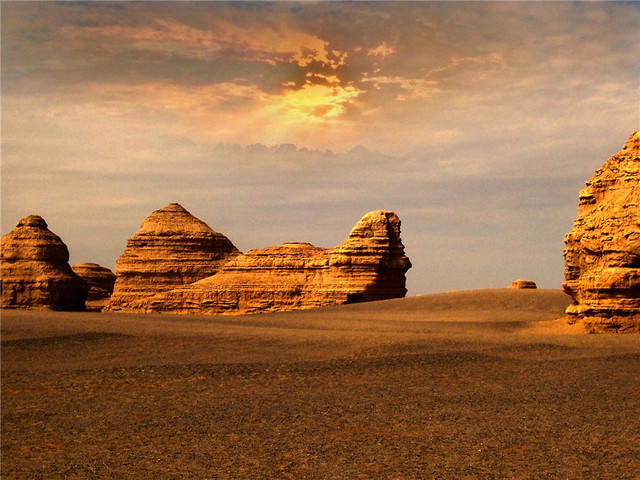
[411, 87]
[321, 97]
[260, 44]
[230, 111]
[317, 102]
[381, 50]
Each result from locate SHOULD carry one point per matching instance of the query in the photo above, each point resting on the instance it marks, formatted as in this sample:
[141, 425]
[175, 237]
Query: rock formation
[35, 269]
[369, 265]
[522, 284]
[171, 249]
[100, 280]
[602, 253]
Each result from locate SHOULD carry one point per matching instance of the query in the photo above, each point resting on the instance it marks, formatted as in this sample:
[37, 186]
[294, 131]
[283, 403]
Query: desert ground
[463, 385]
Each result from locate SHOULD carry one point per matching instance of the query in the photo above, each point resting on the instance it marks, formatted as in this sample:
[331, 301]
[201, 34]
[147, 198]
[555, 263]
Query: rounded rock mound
[171, 249]
[522, 284]
[35, 269]
[100, 280]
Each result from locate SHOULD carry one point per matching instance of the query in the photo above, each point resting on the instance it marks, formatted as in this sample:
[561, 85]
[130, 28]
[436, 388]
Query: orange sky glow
[477, 122]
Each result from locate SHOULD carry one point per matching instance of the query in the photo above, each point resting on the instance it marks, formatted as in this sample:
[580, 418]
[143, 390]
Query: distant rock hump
[35, 269]
[602, 253]
[171, 249]
[369, 265]
[522, 284]
[100, 280]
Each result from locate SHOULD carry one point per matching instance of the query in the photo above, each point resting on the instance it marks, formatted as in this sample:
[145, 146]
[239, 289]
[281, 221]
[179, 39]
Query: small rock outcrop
[602, 252]
[35, 269]
[369, 265]
[100, 280]
[171, 249]
[522, 284]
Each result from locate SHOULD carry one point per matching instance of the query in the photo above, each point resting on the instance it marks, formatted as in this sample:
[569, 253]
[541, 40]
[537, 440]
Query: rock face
[100, 280]
[602, 253]
[522, 284]
[35, 269]
[369, 265]
[171, 249]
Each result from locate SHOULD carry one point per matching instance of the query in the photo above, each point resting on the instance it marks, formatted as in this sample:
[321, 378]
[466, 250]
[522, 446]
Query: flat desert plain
[463, 385]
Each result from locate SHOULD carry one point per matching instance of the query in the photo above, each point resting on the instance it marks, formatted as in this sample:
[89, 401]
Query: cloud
[409, 87]
[169, 37]
[381, 50]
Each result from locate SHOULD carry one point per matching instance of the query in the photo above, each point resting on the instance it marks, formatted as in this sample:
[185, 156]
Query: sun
[317, 102]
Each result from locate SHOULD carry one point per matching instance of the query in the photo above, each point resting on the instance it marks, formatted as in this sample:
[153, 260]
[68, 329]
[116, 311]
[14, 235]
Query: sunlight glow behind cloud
[319, 101]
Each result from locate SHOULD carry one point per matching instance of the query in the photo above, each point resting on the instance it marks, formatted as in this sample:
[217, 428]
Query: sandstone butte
[35, 269]
[171, 249]
[602, 251]
[369, 265]
[100, 280]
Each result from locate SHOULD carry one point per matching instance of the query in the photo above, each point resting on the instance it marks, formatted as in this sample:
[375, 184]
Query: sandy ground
[467, 385]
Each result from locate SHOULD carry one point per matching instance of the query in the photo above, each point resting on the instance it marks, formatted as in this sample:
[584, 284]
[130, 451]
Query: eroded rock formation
[100, 280]
[602, 253]
[522, 284]
[171, 249]
[369, 265]
[35, 269]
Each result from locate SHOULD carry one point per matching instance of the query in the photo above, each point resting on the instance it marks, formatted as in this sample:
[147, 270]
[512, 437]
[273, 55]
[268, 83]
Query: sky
[476, 122]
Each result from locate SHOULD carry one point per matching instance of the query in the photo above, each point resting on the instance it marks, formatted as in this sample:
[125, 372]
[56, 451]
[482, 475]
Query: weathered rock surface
[100, 280]
[35, 269]
[602, 253]
[522, 284]
[369, 265]
[171, 249]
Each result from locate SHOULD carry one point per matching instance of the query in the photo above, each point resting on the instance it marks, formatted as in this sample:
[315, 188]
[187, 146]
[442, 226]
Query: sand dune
[481, 384]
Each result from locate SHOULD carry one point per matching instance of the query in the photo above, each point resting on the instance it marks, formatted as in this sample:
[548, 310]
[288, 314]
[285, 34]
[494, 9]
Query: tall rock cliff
[369, 265]
[100, 280]
[172, 248]
[602, 253]
[35, 269]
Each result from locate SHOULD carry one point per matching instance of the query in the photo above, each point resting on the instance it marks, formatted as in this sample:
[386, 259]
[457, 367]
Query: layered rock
[369, 265]
[171, 249]
[522, 284]
[100, 280]
[35, 269]
[602, 253]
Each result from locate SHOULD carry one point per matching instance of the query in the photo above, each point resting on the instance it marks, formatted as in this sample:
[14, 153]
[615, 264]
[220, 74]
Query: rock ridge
[369, 265]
